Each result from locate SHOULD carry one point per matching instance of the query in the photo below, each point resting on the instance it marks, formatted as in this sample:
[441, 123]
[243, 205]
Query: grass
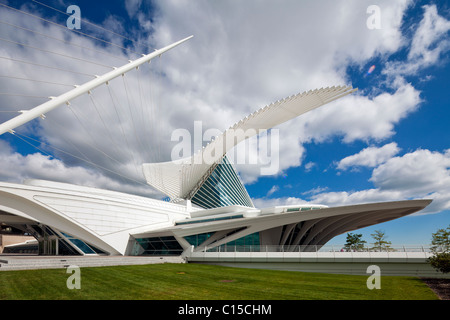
[203, 282]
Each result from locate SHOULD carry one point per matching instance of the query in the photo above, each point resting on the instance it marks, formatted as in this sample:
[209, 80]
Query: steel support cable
[117, 114]
[70, 141]
[21, 95]
[65, 27]
[56, 123]
[157, 127]
[92, 138]
[87, 159]
[34, 80]
[56, 53]
[113, 100]
[151, 115]
[144, 117]
[140, 97]
[63, 41]
[95, 104]
[57, 101]
[131, 113]
[48, 67]
[22, 137]
[88, 22]
[137, 107]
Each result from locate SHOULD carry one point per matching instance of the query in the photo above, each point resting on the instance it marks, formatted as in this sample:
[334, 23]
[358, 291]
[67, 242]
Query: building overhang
[351, 217]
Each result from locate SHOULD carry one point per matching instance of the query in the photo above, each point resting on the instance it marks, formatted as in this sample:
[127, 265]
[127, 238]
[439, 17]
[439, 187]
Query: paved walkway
[24, 262]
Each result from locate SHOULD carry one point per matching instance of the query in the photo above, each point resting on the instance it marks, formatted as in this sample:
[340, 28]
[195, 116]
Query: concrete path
[24, 262]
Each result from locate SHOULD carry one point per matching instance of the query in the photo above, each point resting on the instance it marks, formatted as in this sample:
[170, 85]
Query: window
[157, 246]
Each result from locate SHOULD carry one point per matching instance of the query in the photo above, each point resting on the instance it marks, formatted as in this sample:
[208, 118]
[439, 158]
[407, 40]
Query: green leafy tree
[381, 244]
[440, 246]
[441, 240]
[354, 242]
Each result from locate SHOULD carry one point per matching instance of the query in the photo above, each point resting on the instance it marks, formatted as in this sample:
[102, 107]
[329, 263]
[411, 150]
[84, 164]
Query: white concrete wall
[390, 263]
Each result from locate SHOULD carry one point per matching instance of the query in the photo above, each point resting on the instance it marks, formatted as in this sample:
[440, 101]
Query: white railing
[318, 248]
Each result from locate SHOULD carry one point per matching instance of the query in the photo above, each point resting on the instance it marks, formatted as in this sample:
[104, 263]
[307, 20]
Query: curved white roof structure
[178, 179]
[72, 220]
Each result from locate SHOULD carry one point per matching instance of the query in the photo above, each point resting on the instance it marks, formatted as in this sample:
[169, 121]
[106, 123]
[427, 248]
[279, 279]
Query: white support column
[55, 102]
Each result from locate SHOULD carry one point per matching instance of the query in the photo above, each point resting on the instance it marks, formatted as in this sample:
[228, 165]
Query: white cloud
[369, 157]
[16, 168]
[251, 54]
[418, 173]
[429, 41]
[241, 58]
[285, 201]
[421, 174]
[132, 6]
[359, 117]
[117, 132]
[315, 190]
[246, 56]
[272, 190]
[309, 166]
[432, 32]
[356, 197]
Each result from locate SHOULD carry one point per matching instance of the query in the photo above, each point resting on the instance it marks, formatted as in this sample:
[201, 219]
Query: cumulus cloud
[109, 132]
[315, 190]
[369, 157]
[17, 168]
[132, 6]
[358, 117]
[428, 43]
[416, 173]
[272, 190]
[242, 57]
[421, 174]
[341, 198]
[273, 202]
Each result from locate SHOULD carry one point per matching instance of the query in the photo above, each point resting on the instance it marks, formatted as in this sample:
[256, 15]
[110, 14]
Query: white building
[210, 206]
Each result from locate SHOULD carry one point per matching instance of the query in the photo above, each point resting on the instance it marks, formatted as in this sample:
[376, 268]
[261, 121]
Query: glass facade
[83, 246]
[52, 242]
[248, 240]
[210, 219]
[160, 246]
[197, 239]
[222, 188]
[302, 209]
[157, 246]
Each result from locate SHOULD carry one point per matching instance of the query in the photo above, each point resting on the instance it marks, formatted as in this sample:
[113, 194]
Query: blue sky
[386, 142]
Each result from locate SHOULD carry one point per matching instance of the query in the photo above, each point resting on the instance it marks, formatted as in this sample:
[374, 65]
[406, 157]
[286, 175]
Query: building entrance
[48, 245]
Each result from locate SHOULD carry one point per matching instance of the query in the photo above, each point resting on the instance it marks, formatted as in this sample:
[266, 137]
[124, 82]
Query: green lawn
[203, 282]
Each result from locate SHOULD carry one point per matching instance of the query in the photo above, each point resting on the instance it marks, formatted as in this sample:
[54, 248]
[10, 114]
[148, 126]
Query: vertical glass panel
[222, 188]
[157, 246]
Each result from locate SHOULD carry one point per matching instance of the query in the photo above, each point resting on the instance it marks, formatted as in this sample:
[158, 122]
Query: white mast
[55, 102]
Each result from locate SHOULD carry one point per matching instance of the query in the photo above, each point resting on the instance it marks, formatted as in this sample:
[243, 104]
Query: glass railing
[318, 248]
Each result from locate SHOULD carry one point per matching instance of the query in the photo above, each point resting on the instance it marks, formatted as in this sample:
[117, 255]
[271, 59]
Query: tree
[441, 240]
[354, 242]
[440, 261]
[381, 243]
[440, 246]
